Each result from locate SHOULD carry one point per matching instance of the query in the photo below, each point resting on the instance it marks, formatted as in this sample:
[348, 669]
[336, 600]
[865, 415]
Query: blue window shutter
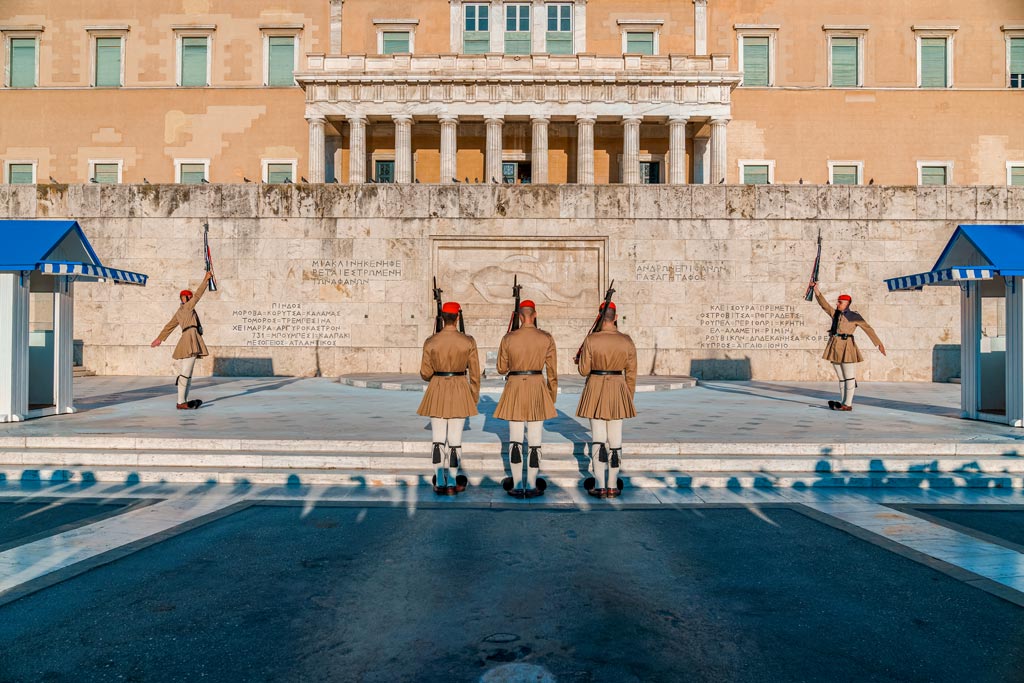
[844, 175]
[844, 62]
[279, 173]
[1017, 62]
[192, 173]
[105, 173]
[1017, 176]
[755, 61]
[755, 175]
[19, 174]
[194, 54]
[640, 42]
[23, 62]
[933, 63]
[108, 62]
[282, 61]
[933, 175]
[396, 42]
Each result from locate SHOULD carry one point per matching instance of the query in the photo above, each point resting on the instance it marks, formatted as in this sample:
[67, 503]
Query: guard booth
[987, 263]
[40, 262]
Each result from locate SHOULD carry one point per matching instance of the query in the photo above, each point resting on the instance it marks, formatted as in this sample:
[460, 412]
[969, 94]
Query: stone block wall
[330, 279]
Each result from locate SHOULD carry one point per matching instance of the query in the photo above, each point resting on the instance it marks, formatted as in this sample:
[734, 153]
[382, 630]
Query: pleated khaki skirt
[606, 397]
[842, 351]
[525, 399]
[447, 397]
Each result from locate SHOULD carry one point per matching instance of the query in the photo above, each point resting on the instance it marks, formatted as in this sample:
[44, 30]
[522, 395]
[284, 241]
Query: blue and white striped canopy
[946, 276]
[89, 270]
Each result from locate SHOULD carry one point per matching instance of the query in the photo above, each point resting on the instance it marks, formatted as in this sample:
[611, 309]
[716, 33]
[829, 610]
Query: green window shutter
[194, 53]
[640, 42]
[933, 63]
[1017, 62]
[19, 174]
[559, 43]
[108, 62]
[933, 175]
[23, 62]
[192, 174]
[518, 43]
[844, 62]
[755, 175]
[396, 42]
[844, 175]
[755, 61]
[279, 173]
[282, 61]
[476, 42]
[1017, 176]
[105, 173]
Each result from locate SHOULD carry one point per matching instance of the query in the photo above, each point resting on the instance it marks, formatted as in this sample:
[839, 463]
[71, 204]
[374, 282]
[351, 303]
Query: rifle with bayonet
[809, 294]
[438, 320]
[513, 323]
[597, 321]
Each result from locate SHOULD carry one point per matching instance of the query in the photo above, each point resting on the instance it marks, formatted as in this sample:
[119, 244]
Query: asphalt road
[21, 520]
[1005, 524]
[279, 593]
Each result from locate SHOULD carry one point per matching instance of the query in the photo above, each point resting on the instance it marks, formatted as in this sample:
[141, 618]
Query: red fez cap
[185, 292]
[528, 304]
[845, 297]
[451, 307]
[611, 305]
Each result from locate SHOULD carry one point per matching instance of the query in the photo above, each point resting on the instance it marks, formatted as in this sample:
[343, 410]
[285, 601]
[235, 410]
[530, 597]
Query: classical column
[631, 150]
[317, 155]
[356, 149]
[700, 27]
[539, 149]
[449, 147]
[718, 156]
[492, 160]
[677, 150]
[403, 148]
[585, 149]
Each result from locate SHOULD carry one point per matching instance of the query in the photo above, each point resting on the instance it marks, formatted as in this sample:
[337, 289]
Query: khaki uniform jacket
[608, 397]
[191, 342]
[845, 350]
[527, 398]
[450, 351]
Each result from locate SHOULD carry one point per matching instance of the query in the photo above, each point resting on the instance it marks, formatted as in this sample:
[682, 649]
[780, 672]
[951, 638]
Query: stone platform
[571, 384]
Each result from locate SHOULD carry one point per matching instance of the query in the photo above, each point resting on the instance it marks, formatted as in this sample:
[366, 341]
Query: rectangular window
[843, 174]
[650, 172]
[106, 172]
[384, 171]
[934, 175]
[396, 42]
[21, 174]
[194, 56]
[1016, 176]
[755, 61]
[280, 173]
[108, 63]
[559, 34]
[517, 30]
[22, 61]
[191, 173]
[1016, 62]
[640, 42]
[755, 174]
[934, 63]
[281, 61]
[845, 62]
[476, 39]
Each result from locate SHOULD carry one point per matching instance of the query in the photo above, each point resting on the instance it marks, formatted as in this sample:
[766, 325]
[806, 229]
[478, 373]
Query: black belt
[526, 372]
[190, 327]
[450, 374]
[844, 336]
[606, 372]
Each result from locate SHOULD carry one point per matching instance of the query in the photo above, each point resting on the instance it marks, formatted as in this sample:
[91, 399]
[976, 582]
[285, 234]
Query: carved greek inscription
[290, 324]
[352, 271]
[755, 326]
[680, 271]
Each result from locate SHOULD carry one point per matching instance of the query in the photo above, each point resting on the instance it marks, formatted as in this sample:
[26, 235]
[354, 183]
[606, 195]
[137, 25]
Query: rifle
[597, 321]
[206, 252]
[809, 294]
[513, 323]
[438, 321]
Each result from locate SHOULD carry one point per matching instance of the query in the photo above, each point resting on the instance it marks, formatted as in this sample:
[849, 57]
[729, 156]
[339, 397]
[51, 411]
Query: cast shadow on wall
[243, 367]
[945, 362]
[720, 368]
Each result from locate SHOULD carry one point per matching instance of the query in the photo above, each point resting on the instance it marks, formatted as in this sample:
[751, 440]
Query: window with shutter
[108, 62]
[845, 62]
[844, 175]
[476, 39]
[755, 61]
[20, 174]
[517, 30]
[279, 173]
[281, 56]
[640, 42]
[1017, 62]
[22, 61]
[755, 174]
[934, 175]
[396, 42]
[934, 58]
[105, 173]
[194, 55]
[559, 37]
[191, 174]
[1017, 176]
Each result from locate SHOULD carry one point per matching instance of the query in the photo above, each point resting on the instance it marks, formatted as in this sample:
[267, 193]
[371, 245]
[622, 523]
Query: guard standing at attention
[842, 350]
[451, 364]
[608, 361]
[190, 345]
[527, 399]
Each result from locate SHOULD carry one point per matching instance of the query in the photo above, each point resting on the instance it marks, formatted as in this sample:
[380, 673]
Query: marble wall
[332, 279]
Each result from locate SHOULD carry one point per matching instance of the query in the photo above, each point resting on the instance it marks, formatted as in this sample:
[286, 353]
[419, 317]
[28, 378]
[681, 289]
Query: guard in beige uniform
[842, 350]
[449, 356]
[527, 399]
[608, 361]
[190, 346]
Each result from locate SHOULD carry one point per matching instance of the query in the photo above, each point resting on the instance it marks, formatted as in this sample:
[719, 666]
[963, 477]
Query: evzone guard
[841, 349]
[190, 346]
[608, 360]
[451, 365]
[527, 399]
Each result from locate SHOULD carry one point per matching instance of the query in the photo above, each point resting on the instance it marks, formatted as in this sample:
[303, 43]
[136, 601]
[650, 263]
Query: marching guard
[449, 356]
[527, 399]
[190, 346]
[842, 350]
[608, 361]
